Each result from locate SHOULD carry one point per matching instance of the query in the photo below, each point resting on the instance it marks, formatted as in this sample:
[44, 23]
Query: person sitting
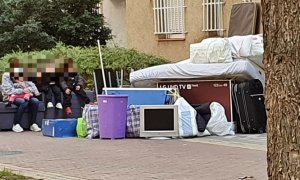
[51, 88]
[19, 83]
[9, 88]
[73, 83]
[49, 84]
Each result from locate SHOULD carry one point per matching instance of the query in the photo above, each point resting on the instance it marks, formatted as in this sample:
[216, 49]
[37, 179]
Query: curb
[37, 174]
[229, 144]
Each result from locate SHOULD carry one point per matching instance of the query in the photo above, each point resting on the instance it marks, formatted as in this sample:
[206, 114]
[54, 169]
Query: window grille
[213, 15]
[169, 16]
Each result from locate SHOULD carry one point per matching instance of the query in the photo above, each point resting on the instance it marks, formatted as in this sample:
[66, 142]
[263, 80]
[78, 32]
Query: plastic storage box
[59, 127]
[142, 96]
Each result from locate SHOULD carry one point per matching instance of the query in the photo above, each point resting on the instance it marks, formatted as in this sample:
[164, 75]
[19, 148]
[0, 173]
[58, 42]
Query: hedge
[87, 59]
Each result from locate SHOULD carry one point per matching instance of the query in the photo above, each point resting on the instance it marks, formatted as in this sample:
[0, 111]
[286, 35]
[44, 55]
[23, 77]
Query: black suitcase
[249, 100]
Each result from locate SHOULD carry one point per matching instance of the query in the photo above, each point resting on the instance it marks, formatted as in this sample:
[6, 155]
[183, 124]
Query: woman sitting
[11, 87]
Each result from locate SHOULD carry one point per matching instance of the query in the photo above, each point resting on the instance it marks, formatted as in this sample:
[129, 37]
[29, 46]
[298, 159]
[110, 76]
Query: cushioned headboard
[243, 19]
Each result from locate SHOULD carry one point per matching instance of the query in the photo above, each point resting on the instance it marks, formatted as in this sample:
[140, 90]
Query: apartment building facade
[166, 28]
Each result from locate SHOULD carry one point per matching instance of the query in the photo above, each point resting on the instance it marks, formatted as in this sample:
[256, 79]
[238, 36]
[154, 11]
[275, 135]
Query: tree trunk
[281, 23]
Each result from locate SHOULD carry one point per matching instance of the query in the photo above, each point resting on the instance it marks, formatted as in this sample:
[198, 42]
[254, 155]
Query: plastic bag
[187, 124]
[90, 115]
[81, 128]
[218, 124]
[211, 50]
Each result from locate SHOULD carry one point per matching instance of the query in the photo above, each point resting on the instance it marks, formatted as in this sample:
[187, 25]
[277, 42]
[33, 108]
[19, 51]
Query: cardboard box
[203, 91]
[59, 127]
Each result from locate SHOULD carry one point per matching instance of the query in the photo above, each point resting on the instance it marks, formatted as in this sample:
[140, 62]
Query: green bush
[31, 25]
[87, 59]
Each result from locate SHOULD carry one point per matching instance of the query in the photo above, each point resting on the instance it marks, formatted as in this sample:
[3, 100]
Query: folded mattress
[239, 70]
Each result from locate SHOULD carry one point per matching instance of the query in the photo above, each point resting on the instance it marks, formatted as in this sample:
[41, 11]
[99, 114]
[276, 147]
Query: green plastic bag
[81, 128]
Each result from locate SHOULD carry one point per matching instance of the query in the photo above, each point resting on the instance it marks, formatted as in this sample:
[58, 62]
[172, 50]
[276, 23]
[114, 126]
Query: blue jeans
[32, 104]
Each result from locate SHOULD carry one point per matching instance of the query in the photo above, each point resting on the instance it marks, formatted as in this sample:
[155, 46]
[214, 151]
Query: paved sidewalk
[206, 158]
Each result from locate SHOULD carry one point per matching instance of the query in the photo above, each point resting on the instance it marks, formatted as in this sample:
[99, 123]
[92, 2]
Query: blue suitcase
[59, 127]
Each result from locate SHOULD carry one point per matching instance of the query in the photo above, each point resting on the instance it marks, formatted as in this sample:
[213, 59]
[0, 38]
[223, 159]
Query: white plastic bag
[187, 124]
[205, 133]
[211, 50]
[218, 124]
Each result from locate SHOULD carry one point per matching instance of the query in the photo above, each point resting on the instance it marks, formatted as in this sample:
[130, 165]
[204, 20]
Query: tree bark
[281, 23]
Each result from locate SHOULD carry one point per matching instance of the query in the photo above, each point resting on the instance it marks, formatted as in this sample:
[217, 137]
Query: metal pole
[95, 81]
[102, 68]
[122, 74]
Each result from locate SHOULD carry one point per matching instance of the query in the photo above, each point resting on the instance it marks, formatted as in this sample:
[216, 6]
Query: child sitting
[73, 83]
[51, 88]
[19, 83]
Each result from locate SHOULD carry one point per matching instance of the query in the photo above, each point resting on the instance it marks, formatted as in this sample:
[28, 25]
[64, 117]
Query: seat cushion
[13, 108]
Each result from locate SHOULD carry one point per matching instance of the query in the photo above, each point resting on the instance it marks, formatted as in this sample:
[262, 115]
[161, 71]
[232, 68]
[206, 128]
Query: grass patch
[6, 174]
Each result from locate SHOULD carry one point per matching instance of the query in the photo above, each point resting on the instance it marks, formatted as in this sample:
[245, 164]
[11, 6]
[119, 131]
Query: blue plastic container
[142, 96]
[59, 127]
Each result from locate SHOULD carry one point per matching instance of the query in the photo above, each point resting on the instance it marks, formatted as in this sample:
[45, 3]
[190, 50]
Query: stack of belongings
[231, 49]
[138, 97]
[202, 120]
[247, 48]
[187, 125]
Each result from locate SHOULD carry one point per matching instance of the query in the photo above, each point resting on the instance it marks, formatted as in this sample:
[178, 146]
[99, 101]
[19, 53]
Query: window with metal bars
[213, 15]
[97, 9]
[169, 18]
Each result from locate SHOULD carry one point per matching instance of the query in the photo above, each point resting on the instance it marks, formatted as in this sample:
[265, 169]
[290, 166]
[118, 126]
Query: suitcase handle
[253, 95]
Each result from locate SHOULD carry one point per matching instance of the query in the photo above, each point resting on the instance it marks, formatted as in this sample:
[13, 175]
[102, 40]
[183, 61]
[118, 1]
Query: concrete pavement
[205, 158]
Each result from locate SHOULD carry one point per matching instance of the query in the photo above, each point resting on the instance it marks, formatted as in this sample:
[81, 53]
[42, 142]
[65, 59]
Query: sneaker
[17, 128]
[58, 106]
[50, 105]
[35, 128]
[68, 110]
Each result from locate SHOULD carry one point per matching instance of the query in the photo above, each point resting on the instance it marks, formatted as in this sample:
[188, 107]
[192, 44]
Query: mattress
[238, 70]
[243, 19]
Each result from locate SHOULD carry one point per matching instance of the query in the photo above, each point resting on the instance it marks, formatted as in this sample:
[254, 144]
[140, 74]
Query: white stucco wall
[115, 16]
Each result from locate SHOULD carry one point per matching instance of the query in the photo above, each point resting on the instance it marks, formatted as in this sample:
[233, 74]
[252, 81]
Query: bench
[7, 113]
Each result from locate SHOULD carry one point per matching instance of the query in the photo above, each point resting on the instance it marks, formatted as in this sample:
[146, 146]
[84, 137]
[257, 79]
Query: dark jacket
[72, 81]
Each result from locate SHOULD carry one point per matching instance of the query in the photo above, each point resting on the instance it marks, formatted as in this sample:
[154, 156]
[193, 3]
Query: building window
[98, 9]
[169, 19]
[213, 15]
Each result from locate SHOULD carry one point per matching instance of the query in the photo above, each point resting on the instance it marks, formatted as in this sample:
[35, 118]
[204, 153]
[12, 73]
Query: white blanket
[250, 47]
[185, 70]
[211, 50]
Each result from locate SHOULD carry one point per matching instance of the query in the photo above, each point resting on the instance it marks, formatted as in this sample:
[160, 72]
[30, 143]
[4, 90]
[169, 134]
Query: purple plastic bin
[112, 116]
